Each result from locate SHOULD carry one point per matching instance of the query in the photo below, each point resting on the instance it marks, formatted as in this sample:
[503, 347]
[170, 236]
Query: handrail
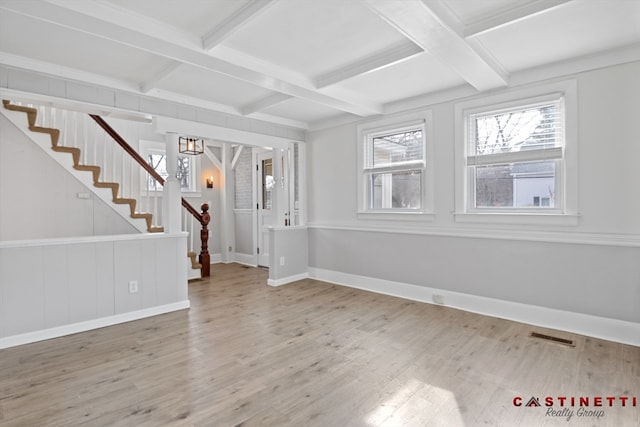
[129, 149]
[140, 160]
[203, 218]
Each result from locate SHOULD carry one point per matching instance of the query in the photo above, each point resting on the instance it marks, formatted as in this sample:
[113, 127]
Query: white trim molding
[583, 324]
[88, 325]
[566, 184]
[287, 280]
[602, 239]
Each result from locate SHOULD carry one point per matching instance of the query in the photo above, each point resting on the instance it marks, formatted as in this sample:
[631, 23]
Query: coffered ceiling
[307, 63]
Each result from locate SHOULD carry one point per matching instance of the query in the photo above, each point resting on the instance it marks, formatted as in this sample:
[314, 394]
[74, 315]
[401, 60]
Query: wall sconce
[192, 146]
[210, 182]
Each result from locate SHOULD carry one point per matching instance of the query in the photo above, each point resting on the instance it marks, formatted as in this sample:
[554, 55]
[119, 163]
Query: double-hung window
[514, 158]
[515, 155]
[393, 172]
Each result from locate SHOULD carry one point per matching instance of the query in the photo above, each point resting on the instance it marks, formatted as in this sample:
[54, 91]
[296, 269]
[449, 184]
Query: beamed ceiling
[309, 63]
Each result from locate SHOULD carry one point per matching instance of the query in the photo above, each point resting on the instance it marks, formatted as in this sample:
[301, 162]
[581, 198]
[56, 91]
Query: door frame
[260, 251]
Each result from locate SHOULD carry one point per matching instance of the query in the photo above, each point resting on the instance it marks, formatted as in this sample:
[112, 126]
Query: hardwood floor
[314, 354]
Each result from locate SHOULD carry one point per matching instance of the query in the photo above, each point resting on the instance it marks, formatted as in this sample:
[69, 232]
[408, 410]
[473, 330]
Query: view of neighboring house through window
[514, 157]
[394, 169]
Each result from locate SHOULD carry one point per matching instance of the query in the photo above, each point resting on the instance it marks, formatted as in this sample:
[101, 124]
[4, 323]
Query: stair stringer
[43, 140]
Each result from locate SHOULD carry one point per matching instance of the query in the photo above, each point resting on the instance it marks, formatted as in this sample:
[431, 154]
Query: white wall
[289, 258]
[591, 268]
[39, 198]
[55, 287]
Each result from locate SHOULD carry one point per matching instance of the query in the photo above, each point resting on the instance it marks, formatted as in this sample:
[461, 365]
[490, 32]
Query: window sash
[370, 150]
[387, 190]
[518, 133]
[516, 157]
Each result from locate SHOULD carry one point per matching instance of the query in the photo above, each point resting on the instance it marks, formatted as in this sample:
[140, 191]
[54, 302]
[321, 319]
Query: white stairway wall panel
[104, 272]
[46, 194]
[22, 288]
[127, 267]
[53, 287]
[56, 268]
[83, 295]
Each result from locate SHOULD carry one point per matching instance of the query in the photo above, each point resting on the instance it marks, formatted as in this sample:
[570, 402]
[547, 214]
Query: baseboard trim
[88, 325]
[598, 327]
[286, 280]
[245, 259]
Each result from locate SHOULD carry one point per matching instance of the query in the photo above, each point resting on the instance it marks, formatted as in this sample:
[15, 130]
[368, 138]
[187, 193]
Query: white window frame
[366, 133]
[565, 211]
[154, 147]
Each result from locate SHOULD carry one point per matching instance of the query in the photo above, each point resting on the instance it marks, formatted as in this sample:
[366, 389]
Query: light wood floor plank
[310, 354]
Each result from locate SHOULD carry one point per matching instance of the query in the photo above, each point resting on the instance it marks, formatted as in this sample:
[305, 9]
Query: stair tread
[32, 114]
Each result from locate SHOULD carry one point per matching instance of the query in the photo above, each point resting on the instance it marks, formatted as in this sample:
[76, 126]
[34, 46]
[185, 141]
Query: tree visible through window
[513, 156]
[184, 172]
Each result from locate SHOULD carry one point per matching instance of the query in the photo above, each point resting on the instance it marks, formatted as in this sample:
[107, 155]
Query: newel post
[204, 258]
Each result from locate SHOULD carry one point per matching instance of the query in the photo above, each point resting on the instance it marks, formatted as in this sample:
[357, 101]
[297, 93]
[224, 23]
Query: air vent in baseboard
[551, 338]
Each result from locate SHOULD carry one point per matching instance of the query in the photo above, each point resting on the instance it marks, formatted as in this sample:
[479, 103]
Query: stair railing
[101, 146]
[113, 166]
[203, 218]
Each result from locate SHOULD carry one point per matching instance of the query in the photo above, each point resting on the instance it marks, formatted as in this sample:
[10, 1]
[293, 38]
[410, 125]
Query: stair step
[194, 264]
[114, 186]
[32, 114]
[95, 170]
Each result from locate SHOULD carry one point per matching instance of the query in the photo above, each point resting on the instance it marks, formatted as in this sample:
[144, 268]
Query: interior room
[306, 212]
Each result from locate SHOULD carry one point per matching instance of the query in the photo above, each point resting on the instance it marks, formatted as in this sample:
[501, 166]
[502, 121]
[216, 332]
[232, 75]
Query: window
[393, 168]
[513, 157]
[154, 154]
[185, 171]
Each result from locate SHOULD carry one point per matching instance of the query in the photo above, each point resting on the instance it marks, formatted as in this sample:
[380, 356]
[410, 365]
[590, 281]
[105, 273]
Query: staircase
[100, 155]
[76, 154]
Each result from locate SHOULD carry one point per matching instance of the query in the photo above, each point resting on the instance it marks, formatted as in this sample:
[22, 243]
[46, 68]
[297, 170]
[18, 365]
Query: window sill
[517, 218]
[398, 216]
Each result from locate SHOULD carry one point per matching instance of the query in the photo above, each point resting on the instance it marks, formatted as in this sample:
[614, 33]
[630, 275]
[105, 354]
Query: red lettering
[597, 401]
[548, 401]
[623, 400]
[573, 401]
[561, 399]
[635, 401]
[584, 401]
[611, 399]
[517, 401]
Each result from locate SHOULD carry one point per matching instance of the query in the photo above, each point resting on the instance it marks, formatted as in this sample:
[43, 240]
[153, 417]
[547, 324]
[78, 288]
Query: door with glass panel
[265, 184]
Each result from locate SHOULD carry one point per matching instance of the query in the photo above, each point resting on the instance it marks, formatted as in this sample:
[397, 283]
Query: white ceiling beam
[264, 103]
[64, 15]
[374, 62]
[432, 27]
[164, 72]
[499, 20]
[234, 22]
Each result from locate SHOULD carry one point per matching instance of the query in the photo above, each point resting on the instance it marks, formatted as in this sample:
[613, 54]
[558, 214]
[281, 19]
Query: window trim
[566, 176]
[365, 133]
